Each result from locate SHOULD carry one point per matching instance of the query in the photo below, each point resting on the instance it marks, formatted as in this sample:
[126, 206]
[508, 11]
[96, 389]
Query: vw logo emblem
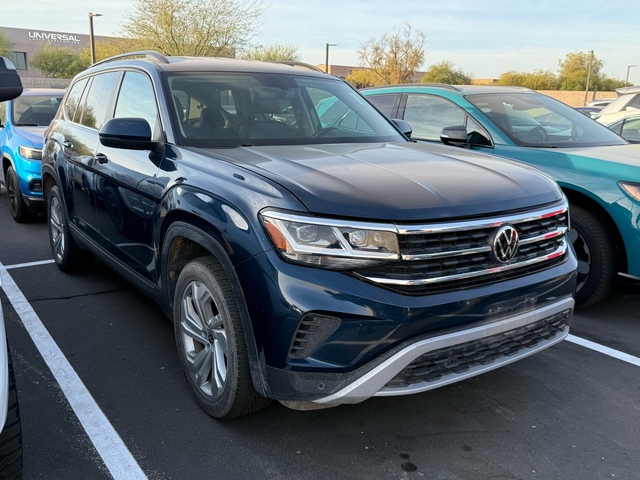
[505, 243]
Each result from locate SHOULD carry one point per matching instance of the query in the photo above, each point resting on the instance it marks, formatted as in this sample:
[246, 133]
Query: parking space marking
[29, 264]
[625, 357]
[109, 445]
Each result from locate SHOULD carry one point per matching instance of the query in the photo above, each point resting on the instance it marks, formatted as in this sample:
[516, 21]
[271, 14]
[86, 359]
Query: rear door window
[97, 104]
[73, 99]
[385, 104]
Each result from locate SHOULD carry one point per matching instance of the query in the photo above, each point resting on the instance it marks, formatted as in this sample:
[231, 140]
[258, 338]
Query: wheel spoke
[220, 351]
[191, 324]
[200, 367]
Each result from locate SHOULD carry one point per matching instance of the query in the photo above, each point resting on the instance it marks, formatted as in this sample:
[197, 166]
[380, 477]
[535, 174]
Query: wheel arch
[598, 210]
[187, 237]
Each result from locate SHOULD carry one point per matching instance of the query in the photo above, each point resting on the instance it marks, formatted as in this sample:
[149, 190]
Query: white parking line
[110, 447]
[625, 357]
[30, 264]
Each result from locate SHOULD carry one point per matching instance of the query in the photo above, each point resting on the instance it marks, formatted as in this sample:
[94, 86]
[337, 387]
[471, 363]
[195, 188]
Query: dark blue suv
[301, 258]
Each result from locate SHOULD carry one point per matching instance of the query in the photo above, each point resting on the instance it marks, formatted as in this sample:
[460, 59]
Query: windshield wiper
[27, 125]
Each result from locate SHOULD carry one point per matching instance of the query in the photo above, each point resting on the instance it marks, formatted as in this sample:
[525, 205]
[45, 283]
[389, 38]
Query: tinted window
[35, 110]
[428, 115]
[73, 99]
[631, 129]
[137, 99]
[536, 120]
[384, 103]
[94, 110]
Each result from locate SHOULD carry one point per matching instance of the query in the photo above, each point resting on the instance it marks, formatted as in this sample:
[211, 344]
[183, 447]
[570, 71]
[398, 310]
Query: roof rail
[293, 63]
[150, 54]
[441, 85]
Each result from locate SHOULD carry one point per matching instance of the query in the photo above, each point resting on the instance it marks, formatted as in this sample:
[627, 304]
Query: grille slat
[438, 260]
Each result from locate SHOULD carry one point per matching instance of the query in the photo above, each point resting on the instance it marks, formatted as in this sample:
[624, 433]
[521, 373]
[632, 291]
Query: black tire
[211, 342]
[11, 435]
[18, 208]
[596, 257]
[66, 252]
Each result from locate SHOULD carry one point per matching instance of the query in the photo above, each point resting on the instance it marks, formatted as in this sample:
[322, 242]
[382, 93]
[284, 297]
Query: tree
[608, 84]
[444, 72]
[575, 68]
[394, 57]
[362, 78]
[194, 27]
[272, 53]
[110, 47]
[5, 45]
[537, 80]
[57, 62]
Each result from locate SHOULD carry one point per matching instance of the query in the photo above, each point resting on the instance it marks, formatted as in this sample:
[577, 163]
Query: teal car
[598, 170]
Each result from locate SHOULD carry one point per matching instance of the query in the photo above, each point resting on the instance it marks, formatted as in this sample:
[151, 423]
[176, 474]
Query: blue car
[598, 170]
[23, 122]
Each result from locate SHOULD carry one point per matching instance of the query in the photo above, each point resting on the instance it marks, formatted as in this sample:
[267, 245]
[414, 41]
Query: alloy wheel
[204, 340]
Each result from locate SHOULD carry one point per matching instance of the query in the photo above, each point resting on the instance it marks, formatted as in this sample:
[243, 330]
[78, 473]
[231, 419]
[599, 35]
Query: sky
[483, 38]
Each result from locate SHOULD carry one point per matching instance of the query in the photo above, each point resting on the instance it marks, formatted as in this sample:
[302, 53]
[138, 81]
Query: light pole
[326, 58]
[92, 44]
[586, 92]
[626, 80]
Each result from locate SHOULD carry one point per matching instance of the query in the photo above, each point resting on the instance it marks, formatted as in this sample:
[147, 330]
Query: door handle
[101, 158]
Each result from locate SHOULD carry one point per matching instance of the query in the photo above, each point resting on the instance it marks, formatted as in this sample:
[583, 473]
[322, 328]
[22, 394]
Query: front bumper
[459, 355]
[331, 338]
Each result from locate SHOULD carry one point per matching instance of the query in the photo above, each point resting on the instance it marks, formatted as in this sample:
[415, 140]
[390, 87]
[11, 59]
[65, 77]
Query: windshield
[231, 109]
[535, 120]
[34, 111]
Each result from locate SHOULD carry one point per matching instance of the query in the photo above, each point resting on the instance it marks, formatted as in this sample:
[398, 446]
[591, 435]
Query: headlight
[332, 244]
[631, 189]
[31, 153]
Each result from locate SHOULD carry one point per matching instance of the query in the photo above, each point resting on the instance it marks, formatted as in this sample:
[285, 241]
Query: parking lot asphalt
[102, 396]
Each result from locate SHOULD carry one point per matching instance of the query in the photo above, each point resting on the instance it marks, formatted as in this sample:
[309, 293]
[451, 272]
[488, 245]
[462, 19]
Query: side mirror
[455, 136]
[131, 133]
[403, 126]
[10, 83]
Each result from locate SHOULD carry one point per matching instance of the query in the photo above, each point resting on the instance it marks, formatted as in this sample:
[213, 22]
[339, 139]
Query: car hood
[35, 135]
[401, 182]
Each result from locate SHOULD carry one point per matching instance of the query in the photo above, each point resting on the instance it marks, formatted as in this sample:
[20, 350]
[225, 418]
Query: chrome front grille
[445, 256]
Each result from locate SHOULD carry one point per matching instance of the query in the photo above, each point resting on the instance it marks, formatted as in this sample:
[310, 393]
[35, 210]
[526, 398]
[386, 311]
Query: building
[24, 43]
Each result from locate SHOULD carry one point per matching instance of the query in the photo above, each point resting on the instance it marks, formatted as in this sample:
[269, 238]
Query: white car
[628, 100]
[10, 430]
[626, 124]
